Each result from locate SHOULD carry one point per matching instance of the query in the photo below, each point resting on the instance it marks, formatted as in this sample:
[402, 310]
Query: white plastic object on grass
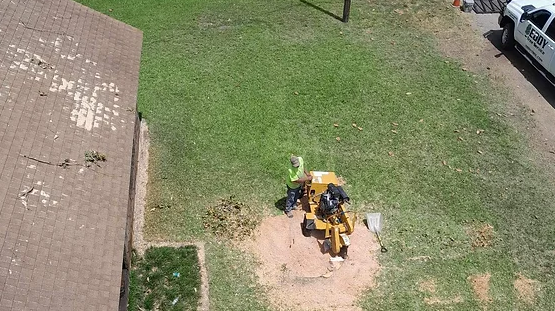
[374, 222]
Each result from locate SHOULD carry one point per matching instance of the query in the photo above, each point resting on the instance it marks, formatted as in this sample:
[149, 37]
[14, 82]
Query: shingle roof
[69, 85]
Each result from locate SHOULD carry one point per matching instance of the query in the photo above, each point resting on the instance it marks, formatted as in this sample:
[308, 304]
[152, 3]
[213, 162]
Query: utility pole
[346, 10]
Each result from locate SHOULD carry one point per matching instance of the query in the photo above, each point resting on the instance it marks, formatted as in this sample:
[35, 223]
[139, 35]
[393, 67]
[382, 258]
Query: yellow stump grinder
[327, 212]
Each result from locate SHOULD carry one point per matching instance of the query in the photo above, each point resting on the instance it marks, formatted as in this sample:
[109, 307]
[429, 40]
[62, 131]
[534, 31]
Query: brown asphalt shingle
[61, 244]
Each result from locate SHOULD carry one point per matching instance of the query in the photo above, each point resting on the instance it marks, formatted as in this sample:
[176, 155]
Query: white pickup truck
[529, 25]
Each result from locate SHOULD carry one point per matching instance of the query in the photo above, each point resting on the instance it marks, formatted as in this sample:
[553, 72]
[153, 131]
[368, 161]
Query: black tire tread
[306, 232]
[510, 27]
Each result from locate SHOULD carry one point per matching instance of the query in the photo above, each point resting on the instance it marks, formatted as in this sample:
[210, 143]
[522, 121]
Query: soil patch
[299, 276]
[480, 285]
[438, 301]
[427, 286]
[526, 289]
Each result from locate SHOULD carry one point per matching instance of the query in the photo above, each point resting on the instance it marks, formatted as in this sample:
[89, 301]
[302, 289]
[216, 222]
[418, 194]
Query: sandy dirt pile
[299, 276]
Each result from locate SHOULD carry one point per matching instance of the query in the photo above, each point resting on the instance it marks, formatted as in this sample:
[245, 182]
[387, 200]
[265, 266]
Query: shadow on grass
[322, 10]
[280, 204]
[544, 87]
[304, 204]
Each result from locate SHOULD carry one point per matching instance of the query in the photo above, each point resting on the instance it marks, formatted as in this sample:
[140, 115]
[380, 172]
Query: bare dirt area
[480, 286]
[427, 286]
[526, 289]
[299, 276]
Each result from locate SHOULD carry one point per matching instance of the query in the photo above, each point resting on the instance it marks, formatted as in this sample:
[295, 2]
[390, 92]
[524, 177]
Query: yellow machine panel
[319, 184]
[323, 178]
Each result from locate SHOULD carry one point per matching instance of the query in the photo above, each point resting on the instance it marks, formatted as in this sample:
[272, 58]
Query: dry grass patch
[481, 235]
[526, 289]
[480, 286]
[439, 301]
[427, 286]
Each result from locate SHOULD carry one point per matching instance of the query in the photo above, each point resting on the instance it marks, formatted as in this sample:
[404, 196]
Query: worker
[296, 177]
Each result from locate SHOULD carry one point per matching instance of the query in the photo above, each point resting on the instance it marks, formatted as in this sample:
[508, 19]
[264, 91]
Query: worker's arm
[301, 180]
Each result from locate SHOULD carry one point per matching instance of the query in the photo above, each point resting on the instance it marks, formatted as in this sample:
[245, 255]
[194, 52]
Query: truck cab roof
[529, 5]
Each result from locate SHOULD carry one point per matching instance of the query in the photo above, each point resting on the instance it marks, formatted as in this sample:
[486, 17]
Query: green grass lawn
[165, 278]
[231, 88]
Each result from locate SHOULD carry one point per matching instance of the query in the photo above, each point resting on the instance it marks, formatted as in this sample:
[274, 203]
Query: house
[68, 93]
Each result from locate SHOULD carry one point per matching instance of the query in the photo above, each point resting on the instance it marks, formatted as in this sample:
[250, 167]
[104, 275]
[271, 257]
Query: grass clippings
[481, 235]
[231, 219]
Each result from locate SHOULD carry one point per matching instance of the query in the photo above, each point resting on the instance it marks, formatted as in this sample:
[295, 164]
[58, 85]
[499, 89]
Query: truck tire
[508, 36]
